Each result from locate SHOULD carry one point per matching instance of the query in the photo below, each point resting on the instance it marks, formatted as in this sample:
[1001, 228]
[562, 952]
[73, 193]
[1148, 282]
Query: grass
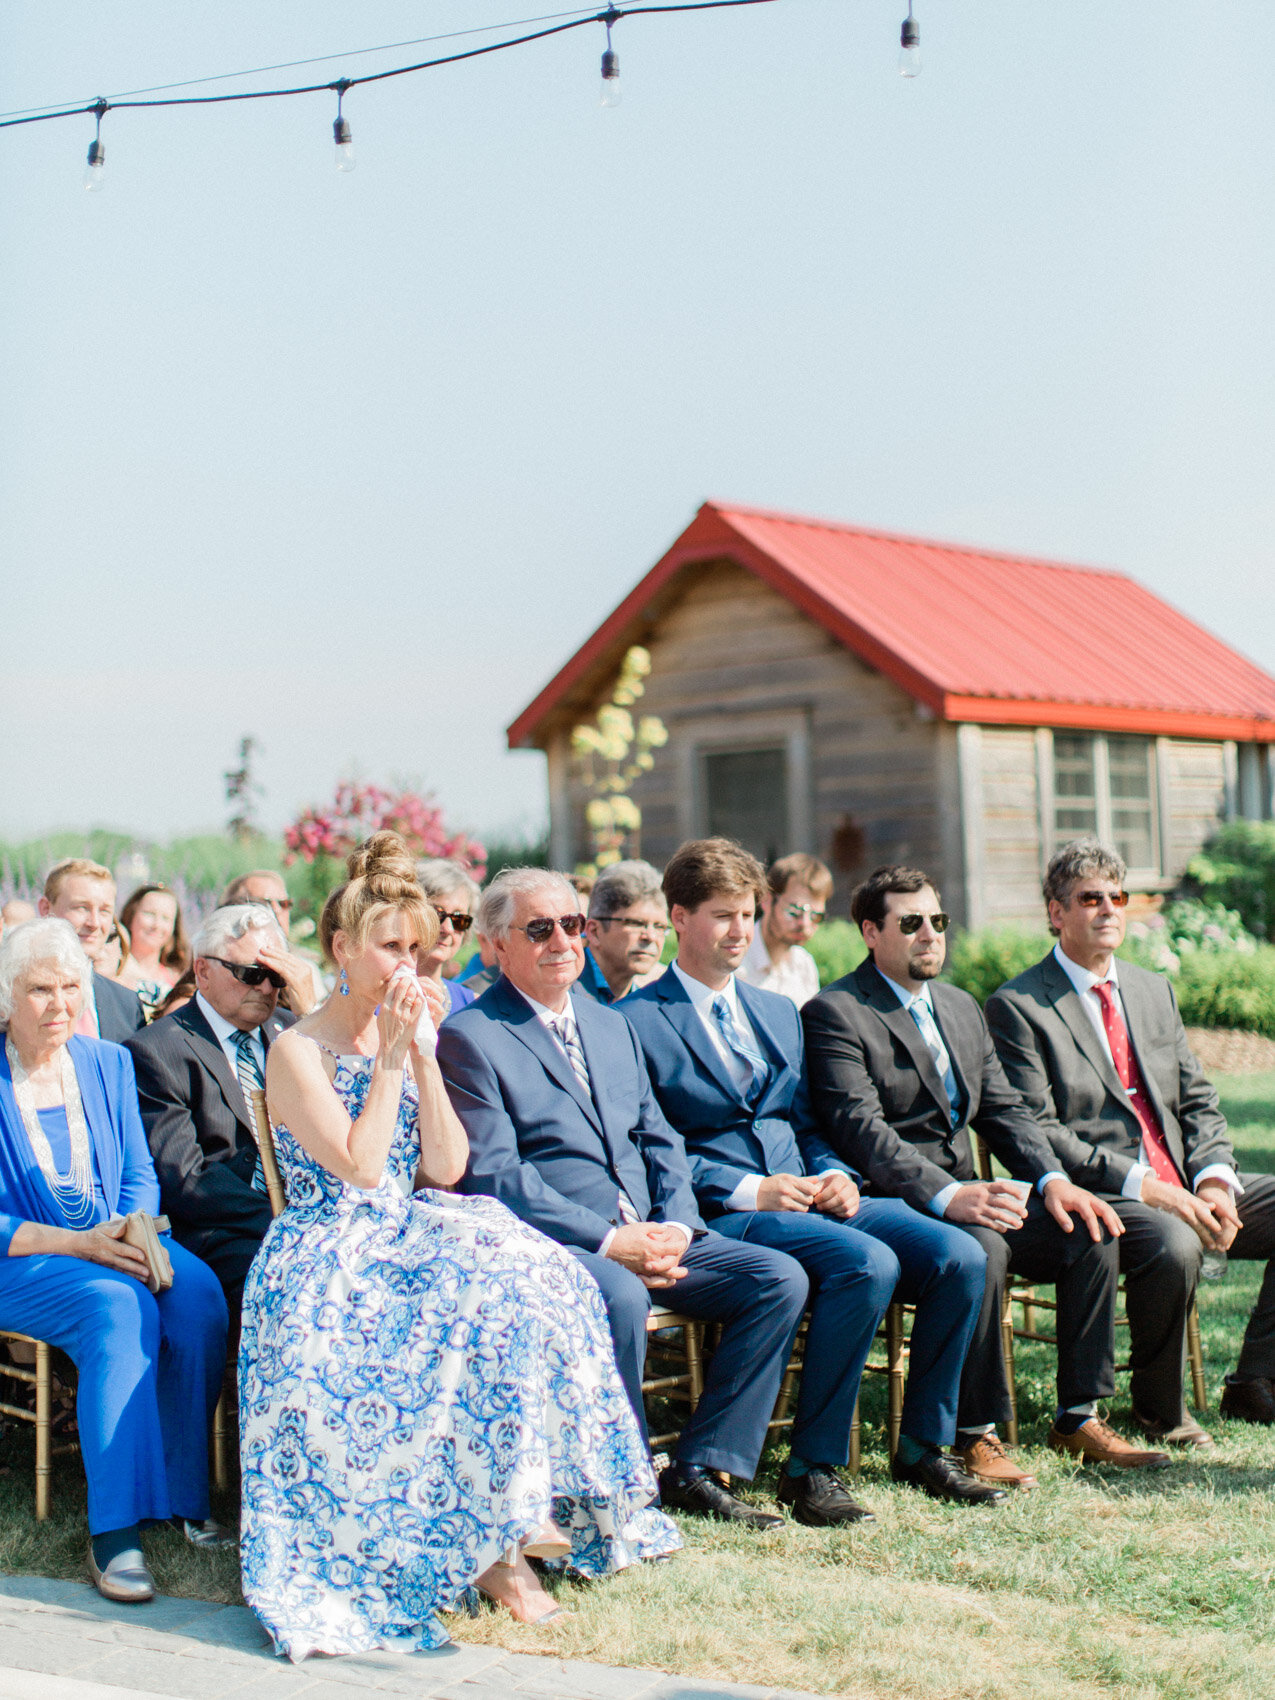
[1094, 1585]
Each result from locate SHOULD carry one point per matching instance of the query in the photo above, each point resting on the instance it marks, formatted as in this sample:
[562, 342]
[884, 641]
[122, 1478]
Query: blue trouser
[758, 1296]
[150, 1370]
[886, 1250]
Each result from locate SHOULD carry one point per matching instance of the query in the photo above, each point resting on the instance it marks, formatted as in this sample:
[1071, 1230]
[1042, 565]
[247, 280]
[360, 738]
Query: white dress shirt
[703, 998]
[227, 1036]
[796, 976]
[1084, 983]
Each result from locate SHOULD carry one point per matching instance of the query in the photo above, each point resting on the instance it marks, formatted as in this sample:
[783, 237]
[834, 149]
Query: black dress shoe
[1249, 1401]
[820, 1500]
[942, 1477]
[683, 1489]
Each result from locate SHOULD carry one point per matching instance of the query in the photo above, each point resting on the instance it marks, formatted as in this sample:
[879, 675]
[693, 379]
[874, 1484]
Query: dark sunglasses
[912, 923]
[541, 929]
[1093, 899]
[461, 922]
[250, 973]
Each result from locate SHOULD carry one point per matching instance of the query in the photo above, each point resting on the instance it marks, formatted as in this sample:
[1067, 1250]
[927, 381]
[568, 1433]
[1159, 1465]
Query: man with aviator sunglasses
[194, 1069]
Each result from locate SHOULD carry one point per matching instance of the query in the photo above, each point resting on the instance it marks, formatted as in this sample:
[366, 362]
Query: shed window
[1075, 786]
[1104, 785]
[746, 798]
[1129, 778]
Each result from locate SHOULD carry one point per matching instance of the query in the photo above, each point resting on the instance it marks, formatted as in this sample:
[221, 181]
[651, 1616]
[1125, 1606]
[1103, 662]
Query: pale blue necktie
[739, 1046]
[923, 1015]
[568, 1036]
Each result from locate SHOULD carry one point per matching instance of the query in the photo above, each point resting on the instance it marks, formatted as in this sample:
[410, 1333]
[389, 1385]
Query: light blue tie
[923, 1015]
[251, 1079]
[739, 1046]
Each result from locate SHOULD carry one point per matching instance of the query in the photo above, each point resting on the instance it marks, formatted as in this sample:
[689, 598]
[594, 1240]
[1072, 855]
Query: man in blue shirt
[626, 929]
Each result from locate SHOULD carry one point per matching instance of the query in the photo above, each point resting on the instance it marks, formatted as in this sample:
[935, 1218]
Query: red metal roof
[1000, 639]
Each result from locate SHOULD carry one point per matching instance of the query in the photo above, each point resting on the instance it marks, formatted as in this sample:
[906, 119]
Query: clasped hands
[651, 1250]
[1210, 1211]
[1002, 1206]
[833, 1193]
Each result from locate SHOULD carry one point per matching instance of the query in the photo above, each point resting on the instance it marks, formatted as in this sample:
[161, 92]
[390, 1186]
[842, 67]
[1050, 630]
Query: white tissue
[426, 1032]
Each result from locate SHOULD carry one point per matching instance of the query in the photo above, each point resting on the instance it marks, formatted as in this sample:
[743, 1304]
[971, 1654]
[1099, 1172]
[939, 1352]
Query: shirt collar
[909, 994]
[1080, 977]
[544, 1013]
[223, 1031]
[704, 997]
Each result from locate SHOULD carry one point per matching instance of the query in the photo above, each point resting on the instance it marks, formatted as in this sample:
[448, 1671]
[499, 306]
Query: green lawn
[1096, 1584]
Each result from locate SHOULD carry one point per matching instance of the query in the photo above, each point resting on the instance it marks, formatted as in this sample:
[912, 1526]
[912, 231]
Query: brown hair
[382, 880]
[806, 870]
[75, 866]
[1081, 859]
[237, 891]
[868, 900]
[176, 953]
[711, 867]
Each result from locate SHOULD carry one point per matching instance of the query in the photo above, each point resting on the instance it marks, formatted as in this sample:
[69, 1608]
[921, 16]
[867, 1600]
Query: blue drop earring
[345, 985]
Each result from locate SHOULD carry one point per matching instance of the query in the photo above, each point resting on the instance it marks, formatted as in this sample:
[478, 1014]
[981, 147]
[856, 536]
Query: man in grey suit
[1100, 1053]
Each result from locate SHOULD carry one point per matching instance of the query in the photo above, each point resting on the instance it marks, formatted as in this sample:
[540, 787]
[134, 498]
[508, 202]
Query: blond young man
[83, 893]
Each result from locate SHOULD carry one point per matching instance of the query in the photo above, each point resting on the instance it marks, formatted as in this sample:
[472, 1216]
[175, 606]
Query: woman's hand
[438, 1001]
[105, 1245]
[396, 1020]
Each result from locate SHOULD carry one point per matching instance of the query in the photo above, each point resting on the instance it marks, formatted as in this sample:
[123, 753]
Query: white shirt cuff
[941, 1200]
[1220, 1172]
[605, 1247]
[682, 1229]
[1053, 1175]
[1132, 1187]
[745, 1194]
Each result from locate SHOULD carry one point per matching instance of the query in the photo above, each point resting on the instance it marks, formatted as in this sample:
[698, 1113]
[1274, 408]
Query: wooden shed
[874, 698]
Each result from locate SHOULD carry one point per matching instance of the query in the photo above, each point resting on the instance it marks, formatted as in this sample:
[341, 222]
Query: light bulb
[610, 78]
[95, 170]
[345, 160]
[910, 48]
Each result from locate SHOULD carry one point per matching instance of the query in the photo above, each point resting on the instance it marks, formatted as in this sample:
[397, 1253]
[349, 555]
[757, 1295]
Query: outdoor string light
[910, 46]
[610, 66]
[345, 160]
[95, 170]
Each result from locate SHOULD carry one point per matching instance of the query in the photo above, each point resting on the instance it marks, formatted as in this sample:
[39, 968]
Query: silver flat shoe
[207, 1534]
[125, 1579]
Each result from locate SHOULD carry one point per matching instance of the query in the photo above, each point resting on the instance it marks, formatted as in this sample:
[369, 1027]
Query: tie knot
[1106, 992]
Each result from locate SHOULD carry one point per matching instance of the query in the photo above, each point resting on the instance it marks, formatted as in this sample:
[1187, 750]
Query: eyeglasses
[461, 922]
[1093, 899]
[542, 927]
[659, 928]
[284, 903]
[912, 922]
[799, 911]
[250, 973]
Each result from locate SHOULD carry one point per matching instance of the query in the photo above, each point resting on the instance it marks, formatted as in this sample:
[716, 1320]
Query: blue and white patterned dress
[423, 1379]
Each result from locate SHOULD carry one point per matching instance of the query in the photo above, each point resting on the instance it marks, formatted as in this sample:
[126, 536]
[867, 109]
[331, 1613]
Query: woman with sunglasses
[428, 1392]
[453, 896]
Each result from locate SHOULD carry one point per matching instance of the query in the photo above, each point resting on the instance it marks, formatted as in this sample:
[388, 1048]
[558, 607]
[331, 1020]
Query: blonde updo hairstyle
[382, 880]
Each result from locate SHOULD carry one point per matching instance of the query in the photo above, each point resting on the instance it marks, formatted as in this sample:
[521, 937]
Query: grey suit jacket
[1054, 1057]
[119, 1013]
[878, 1096]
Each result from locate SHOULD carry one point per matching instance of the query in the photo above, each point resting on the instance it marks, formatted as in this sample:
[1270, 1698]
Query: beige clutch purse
[142, 1230]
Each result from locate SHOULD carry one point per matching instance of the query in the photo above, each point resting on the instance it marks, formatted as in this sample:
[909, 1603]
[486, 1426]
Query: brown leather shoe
[1249, 1401]
[988, 1460]
[1186, 1433]
[1095, 1443]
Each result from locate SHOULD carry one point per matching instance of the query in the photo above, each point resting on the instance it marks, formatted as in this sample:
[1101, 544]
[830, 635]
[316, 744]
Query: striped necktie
[568, 1036]
[923, 1015]
[252, 1080]
[739, 1046]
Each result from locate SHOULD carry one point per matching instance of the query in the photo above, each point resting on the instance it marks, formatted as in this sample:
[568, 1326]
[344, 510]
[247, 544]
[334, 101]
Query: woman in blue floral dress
[427, 1386]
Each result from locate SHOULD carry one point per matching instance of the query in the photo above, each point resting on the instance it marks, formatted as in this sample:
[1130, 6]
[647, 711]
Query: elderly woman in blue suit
[73, 1163]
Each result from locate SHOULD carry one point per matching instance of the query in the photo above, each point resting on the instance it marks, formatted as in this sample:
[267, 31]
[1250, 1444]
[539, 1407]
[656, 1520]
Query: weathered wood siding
[1011, 826]
[1193, 805]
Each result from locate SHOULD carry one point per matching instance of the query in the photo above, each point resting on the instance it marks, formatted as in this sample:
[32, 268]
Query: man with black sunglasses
[901, 1068]
[194, 1069]
[1098, 1049]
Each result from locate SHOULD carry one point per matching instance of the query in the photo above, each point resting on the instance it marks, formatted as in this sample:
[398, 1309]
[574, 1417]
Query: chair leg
[694, 1361]
[1195, 1351]
[43, 1431]
[219, 1443]
[854, 1441]
[1007, 1336]
[895, 1359]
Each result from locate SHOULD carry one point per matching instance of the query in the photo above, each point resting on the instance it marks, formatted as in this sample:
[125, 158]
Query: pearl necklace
[73, 1194]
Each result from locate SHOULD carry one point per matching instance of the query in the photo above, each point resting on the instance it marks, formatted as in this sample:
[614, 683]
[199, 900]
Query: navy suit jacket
[727, 1140]
[119, 1011]
[538, 1142]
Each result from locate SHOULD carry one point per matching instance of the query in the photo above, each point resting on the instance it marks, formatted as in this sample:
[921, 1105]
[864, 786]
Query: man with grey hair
[194, 1068]
[564, 1129]
[1099, 1052]
[628, 923]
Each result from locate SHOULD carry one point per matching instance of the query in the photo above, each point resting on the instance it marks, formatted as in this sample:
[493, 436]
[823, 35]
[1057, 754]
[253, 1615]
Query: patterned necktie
[1154, 1148]
[568, 1037]
[252, 1080]
[739, 1046]
[923, 1015]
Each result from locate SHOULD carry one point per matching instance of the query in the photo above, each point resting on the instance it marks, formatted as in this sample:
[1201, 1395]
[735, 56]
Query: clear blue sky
[355, 463]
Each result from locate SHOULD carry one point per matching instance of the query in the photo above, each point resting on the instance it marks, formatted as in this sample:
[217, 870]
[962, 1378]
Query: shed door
[746, 798]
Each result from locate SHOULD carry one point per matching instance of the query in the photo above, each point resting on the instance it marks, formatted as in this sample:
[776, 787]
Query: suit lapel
[203, 1041]
[906, 1031]
[755, 1006]
[684, 1019]
[526, 1026]
[1138, 1019]
[1066, 1001]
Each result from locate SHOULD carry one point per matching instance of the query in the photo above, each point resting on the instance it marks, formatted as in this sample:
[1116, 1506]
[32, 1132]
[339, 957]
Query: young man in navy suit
[727, 1063]
[564, 1129]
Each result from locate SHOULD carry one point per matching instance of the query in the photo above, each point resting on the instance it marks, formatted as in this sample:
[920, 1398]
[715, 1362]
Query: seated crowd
[492, 1180]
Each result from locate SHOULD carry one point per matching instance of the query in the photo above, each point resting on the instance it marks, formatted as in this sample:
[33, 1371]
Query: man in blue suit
[564, 1129]
[727, 1062]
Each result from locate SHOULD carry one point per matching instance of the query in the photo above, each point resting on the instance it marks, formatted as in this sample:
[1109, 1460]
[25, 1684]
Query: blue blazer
[726, 1139]
[539, 1143]
[120, 1153]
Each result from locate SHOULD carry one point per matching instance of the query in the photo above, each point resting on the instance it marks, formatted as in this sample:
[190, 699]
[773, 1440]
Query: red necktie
[1154, 1149]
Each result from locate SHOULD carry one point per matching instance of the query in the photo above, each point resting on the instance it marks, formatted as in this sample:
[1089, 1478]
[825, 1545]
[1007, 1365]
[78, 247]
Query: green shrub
[1228, 989]
[1236, 868]
[981, 962]
[837, 948]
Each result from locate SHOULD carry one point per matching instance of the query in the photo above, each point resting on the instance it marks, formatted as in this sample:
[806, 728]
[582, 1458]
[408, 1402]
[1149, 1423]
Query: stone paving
[63, 1641]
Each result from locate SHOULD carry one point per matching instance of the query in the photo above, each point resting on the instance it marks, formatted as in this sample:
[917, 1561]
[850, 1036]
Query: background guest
[483, 968]
[14, 912]
[627, 925]
[304, 988]
[83, 893]
[73, 1162]
[798, 891]
[192, 1071]
[453, 896]
[157, 950]
[114, 951]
